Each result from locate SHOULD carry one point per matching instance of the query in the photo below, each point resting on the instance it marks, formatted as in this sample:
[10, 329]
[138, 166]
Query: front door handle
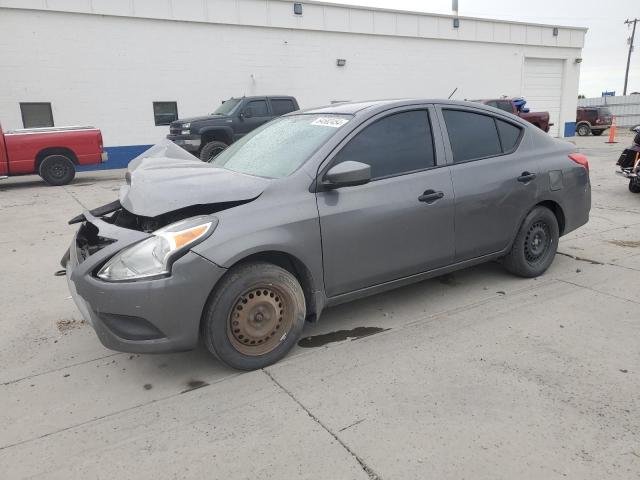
[430, 196]
[526, 177]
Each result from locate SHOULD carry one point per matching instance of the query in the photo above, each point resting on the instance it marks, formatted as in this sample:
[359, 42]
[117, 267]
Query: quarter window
[396, 144]
[509, 135]
[506, 106]
[36, 115]
[258, 108]
[165, 112]
[471, 135]
[281, 106]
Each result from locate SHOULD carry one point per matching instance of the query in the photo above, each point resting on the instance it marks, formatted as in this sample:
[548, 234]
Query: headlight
[186, 125]
[153, 256]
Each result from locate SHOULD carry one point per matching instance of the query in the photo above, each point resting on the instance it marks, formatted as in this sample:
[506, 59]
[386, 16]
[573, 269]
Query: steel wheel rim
[537, 242]
[59, 170]
[260, 319]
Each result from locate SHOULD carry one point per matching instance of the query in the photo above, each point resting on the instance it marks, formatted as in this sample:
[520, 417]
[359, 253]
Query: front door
[399, 224]
[253, 114]
[495, 182]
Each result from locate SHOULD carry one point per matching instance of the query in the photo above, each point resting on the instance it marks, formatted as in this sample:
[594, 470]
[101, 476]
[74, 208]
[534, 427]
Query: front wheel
[583, 130]
[57, 170]
[211, 150]
[254, 316]
[535, 245]
[634, 185]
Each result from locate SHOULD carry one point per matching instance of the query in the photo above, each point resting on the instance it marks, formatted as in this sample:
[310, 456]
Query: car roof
[372, 107]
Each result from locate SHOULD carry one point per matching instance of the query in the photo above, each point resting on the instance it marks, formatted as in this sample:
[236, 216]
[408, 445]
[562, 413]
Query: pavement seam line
[108, 415]
[595, 262]
[367, 469]
[591, 289]
[35, 375]
[70, 193]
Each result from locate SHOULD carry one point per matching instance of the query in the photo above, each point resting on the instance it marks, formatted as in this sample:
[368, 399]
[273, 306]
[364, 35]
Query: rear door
[282, 106]
[400, 223]
[495, 184]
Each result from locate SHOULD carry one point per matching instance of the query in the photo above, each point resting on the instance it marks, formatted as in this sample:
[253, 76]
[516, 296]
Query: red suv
[593, 120]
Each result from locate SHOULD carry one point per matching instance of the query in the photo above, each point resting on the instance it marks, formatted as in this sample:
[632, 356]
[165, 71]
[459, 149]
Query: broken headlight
[153, 256]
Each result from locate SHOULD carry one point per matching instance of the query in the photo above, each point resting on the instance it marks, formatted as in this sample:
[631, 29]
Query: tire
[211, 150]
[583, 130]
[597, 133]
[634, 185]
[535, 245]
[57, 170]
[254, 316]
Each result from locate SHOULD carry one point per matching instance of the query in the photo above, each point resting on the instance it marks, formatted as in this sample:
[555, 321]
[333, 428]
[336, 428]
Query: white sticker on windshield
[333, 122]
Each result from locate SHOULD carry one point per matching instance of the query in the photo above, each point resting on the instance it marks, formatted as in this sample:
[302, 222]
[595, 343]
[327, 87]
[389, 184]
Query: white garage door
[542, 88]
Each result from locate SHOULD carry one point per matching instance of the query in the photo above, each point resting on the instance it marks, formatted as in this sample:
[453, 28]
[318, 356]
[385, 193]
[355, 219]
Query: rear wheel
[634, 185]
[57, 170]
[254, 316]
[211, 150]
[535, 245]
[583, 130]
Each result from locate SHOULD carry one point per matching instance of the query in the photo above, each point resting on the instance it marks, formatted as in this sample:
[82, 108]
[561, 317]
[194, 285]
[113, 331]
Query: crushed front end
[158, 313]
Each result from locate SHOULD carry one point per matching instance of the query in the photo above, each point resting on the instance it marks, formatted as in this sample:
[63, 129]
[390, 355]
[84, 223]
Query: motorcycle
[629, 162]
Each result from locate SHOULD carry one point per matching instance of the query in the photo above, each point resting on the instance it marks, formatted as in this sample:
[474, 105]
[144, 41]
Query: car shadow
[29, 181]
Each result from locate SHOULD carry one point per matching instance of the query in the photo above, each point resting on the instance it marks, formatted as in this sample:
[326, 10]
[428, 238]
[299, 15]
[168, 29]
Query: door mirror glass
[347, 174]
[247, 113]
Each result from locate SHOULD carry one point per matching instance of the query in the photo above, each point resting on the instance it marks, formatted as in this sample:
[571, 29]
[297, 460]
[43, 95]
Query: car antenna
[454, 91]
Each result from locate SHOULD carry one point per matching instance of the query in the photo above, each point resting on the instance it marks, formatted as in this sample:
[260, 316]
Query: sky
[605, 51]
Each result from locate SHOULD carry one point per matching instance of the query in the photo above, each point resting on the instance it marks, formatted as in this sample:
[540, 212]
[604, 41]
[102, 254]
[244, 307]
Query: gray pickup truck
[209, 135]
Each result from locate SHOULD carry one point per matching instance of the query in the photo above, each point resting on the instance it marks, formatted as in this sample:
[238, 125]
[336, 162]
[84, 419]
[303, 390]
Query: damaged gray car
[314, 209]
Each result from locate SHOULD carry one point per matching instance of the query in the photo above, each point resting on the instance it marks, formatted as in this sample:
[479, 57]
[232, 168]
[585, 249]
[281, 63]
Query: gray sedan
[314, 209]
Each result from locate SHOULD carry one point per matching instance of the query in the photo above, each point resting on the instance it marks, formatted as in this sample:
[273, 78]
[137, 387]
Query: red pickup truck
[53, 153]
[516, 106]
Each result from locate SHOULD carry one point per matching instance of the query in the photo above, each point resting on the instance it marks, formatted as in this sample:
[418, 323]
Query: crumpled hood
[161, 184]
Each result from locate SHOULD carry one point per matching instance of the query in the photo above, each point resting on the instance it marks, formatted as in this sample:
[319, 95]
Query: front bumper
[191, 143]
[146, 316]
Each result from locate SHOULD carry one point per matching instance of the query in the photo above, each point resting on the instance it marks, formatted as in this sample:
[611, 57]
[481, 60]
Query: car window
[280, 106]
[227, 107]
[394, 145]
[472, 135]
[258, 108]
[492, 104]
[509, 135]
[506, 106]
[280, 146]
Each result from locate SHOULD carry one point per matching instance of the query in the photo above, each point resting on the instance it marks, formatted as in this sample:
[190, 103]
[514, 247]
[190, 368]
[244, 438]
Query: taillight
[100, 140]
[580, 159]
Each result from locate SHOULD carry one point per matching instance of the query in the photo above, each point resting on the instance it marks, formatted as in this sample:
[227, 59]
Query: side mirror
[246, 113]
[347, 174]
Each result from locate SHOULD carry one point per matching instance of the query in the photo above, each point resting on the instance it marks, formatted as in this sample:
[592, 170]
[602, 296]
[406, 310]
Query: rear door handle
[526, 177]
[430, 196]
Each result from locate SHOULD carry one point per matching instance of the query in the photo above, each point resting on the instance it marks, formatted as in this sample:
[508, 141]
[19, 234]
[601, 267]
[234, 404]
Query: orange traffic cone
[612, 131]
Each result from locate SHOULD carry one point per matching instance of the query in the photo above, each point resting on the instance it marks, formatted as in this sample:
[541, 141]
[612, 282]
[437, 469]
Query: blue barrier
[119, 157]
[570, 129]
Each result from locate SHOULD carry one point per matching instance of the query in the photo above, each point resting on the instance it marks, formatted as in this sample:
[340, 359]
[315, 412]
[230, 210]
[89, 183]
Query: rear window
[471, 135]
[280, 106]
[474, 136]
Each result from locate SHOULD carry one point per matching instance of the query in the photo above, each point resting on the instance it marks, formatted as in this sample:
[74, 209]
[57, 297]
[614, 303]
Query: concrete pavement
[477, 374]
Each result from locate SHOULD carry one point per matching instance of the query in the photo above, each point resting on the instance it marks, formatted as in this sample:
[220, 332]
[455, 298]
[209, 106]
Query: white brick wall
[107, 70]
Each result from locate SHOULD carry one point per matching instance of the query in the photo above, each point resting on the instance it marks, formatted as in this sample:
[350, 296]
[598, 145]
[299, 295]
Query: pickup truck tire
[57, 170]
[254, 316]
[211, 150]
[634, 185]
[535, 245]
[583, 130]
